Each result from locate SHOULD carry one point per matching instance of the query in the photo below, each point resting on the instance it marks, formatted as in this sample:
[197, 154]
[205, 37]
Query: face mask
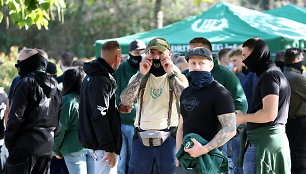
[157, 69]
[201, 79]
[259, 57]
[135, 61]
[297, 66]
[230, 66]
[280, 64]
[35, 62]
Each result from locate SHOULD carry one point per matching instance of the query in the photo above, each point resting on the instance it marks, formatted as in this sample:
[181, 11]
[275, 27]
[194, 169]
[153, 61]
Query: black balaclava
[157, 69]
[35, 62]
[297, 66]
[280, 64]
[259, 60]
[134, 61]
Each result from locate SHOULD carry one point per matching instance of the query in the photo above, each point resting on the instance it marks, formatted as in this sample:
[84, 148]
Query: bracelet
[172, 75]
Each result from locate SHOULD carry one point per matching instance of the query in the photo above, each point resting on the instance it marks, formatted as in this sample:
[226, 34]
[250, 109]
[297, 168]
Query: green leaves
[1, 16]
[25, 13]
[198, 2]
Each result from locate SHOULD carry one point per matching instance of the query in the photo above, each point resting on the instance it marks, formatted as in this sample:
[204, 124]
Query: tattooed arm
[228, 130]
[128, 95]
[178, 85]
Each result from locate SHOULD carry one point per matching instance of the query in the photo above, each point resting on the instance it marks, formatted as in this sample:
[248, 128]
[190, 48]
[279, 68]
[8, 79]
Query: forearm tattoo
[177, 85]
[228, 130]
[128, 95]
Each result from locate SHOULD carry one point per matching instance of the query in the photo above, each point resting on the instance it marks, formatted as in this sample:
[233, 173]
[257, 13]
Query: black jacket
[99, 125]
[33, 118]
[3, 101]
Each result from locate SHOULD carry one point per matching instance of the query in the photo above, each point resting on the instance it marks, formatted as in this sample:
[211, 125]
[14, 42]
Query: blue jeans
[103, 167]
[125, 153]
[142, 157]
[80, 162]
[235, 155]
[225, 152]
[249, 162]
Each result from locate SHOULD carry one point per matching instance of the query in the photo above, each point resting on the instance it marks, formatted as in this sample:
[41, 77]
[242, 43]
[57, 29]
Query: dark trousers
[143, 157]
[296, 132]
[20, 162]
[58, 166]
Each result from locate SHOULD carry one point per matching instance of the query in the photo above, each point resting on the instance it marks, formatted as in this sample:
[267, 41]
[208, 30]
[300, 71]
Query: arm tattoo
[129, 94]
[177, 86]
[228, 130]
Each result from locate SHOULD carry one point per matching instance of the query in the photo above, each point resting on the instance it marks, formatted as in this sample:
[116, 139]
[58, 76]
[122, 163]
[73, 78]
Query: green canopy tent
[290, 11]
[226, 26]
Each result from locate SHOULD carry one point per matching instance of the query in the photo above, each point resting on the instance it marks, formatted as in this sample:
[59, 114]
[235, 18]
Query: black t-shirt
[274, 82]
[200, 109]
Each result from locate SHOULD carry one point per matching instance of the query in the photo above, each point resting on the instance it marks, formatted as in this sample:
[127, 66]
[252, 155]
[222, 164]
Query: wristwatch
[172, 75]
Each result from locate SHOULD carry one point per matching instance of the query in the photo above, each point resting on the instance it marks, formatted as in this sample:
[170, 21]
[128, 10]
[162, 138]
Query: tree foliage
[7, 70]
[25, 13]
[89, 20]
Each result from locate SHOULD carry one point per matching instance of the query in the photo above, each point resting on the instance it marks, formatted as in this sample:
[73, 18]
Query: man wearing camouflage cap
[157, 88]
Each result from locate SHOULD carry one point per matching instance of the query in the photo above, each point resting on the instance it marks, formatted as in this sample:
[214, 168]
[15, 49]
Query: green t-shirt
[123, 75]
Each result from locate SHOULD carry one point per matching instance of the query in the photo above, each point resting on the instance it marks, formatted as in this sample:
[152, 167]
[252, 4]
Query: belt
[296, 117]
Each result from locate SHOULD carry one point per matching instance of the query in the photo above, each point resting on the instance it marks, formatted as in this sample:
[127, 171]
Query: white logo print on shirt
[102, 110]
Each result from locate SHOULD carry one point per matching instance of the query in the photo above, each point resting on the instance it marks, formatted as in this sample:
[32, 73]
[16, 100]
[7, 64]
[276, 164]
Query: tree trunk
[158, 14]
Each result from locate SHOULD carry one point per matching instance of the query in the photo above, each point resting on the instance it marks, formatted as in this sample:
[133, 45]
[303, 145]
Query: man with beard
[266, 141]
[123, 74]
[295, 127]
[157, 88]
[33, 119]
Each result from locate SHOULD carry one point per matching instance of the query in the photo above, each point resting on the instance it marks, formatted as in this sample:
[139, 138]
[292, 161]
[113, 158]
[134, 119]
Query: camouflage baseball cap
[159, 44]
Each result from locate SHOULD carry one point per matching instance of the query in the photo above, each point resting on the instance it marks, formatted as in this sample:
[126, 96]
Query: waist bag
[153, 138]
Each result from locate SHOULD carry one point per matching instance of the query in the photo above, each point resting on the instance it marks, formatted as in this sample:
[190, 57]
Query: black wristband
[172, 75]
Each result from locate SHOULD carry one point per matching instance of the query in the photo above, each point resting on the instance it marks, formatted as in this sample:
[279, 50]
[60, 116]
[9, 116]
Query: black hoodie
[99, 125]
[33, 119]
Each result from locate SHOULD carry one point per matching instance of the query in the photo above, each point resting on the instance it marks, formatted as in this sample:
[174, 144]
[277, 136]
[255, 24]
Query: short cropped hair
[67, 59]
[291, 54]
[222, 53]
[235, 52]
[28, 52]
[180, 59]
[43, 53]
[280, 56]
[110, 46]
[201, 40]
[251, 43]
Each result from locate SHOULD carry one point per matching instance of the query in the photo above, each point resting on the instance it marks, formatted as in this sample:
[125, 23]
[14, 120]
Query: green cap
[159, 44]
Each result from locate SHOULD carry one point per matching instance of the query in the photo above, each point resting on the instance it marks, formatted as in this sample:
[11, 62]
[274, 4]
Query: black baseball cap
[137, 45]
[201, 52]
